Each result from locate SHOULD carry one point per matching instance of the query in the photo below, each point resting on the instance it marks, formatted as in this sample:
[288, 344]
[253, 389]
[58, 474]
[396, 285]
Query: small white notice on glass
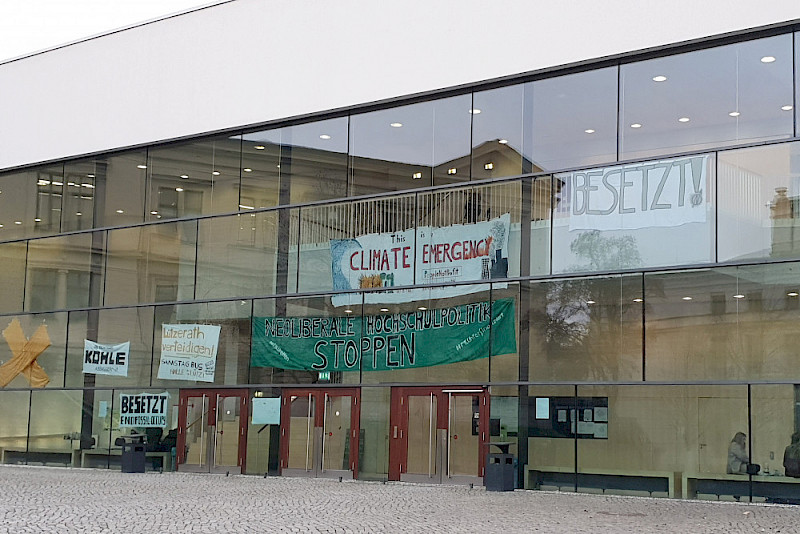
[600, 430]
[562, 416]
[601, 414]
[542, 408]
[266, 411]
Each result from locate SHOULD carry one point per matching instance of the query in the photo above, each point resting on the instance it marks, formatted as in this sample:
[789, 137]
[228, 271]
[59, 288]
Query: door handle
[395, 431]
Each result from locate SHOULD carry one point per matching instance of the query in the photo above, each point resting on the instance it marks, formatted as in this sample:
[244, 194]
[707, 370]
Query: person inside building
[738, 461]
[791, 457]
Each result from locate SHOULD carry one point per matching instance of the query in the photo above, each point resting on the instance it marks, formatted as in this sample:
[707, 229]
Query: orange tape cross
[25, 351]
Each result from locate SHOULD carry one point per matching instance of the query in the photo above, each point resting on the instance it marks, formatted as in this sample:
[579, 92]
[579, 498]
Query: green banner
[385, 342]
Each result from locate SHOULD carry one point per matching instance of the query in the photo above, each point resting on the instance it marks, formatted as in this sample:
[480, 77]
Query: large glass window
[723, 324]
[573, 120]
[410, 146]
[237, 255]
[197, 178]
[497, 134]
[301, 163]
[12, 277]
[30, 202]
[639, 215]
[104, 191]
[585, 328]
[204, 343]
[154, 263]
[37, 346]
[64, 272]
[759, 202]
[719, 96]
[14, 425]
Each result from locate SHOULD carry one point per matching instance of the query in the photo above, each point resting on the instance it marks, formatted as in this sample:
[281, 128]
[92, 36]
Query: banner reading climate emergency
[427, 255]
[421, 338]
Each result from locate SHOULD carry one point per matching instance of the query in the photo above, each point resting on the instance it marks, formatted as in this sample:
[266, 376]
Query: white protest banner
[143, 410]
[429, 255]
[188, 352]
[106, 359]
[665, 193]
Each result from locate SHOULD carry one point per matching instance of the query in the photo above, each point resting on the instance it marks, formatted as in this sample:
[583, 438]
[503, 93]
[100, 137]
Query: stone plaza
[70, 500]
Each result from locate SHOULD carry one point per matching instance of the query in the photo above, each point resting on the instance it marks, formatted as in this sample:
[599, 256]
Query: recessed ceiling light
[503, 141]
[37, 219]
[1, 225]
[489, 166]
[792, 293]
[475, 111]
[78, 213]
[246, 207]
[278, 165]
[17, 222]
[637, 299]
[90, 175]
[88, 186]
[141, 166]
[325, 136]
[687, 298]
[589, 131]
[787, 108]
[153, 213]
[452, 170]
[215, 173]
[660, 78]
[422, 308]
[57, 183]
[768, 59]
[739, 296]
[636, 125]
[589, 302]
[734, 113]
[247, 169]
[683, 119]
[179, 189]
[71, 183]
[120, 211]
[396, 125]
[348, 311]
[384, 309]
[416, 175]
[259, 147]
[185, 176]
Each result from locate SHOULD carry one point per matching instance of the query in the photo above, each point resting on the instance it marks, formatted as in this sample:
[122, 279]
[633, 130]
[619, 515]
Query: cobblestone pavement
[36, 499]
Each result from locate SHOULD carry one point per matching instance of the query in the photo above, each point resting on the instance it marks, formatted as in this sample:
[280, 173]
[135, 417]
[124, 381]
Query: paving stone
[61, 500]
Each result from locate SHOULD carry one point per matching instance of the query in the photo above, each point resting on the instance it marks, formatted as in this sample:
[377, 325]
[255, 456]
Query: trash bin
[500, 468]
[133, 453]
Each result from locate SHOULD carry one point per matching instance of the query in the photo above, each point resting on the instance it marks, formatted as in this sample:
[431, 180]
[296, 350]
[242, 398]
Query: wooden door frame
[244, 416]
[398, 421]
[319, 416]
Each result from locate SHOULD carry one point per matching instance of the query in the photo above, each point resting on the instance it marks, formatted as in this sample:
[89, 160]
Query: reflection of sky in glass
[431, 133]
[500, 117]
[728, 94]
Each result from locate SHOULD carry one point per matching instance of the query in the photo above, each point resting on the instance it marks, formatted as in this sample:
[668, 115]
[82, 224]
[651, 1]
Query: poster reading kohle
[188, 352]
[106, 359]
[427, 255]
[420, 338]
[143, 410]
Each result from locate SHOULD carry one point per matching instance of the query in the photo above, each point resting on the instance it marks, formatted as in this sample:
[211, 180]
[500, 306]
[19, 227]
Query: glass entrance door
[212, 431]
[438, 435]
[320, 432]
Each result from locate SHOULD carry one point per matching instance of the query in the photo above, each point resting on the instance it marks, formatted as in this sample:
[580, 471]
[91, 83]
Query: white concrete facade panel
[253, 61]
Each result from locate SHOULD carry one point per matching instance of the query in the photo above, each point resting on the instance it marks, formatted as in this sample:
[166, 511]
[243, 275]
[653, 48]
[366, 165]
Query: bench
[113, 457]
[67, 458]
[605, 479]
[771, 488]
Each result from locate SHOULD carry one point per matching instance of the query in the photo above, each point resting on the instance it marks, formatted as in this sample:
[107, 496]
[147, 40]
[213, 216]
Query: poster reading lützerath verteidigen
[188, 352]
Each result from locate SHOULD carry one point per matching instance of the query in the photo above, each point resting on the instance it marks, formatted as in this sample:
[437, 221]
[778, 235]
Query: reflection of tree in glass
[586, 316]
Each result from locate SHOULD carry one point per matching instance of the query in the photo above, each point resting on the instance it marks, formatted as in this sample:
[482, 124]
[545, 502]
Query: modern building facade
[592, 258]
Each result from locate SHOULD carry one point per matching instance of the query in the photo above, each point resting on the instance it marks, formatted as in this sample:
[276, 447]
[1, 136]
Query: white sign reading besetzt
[105, 359]
[143, 410]
[188, 352]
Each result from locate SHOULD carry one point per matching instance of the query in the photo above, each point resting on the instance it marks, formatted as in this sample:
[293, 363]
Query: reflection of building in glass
[596, 263]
